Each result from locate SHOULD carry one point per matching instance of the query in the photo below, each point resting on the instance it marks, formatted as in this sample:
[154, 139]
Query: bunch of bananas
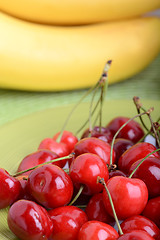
[50, 45]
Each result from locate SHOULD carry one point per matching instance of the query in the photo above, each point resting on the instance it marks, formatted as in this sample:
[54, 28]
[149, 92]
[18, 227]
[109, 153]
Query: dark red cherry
[68, 139]
[96, 230]
[132, 131]
[95, 146]
[116, 172]
[134, 153]
[129, 195]
[95, 209]
[50, 185]
[149, 172]
[28, 220]
[138, 222]
[120, 146]
[10, 189]
[101, 133]
[58, 147]
[136, 235]
[67, 222]
[152, 210]
[36, 158]
[85, 169]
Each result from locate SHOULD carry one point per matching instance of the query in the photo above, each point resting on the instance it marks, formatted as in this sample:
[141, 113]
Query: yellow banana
[39, 57]
[77, 12]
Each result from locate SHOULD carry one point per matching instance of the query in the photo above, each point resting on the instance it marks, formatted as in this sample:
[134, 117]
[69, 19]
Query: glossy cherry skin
[120, 146]
[101, 133]
[85, 169]
[28, 220]
[132, 131]
[67, 222]
[68, 139]
[129, 196]
[95, 146]
[134, 153]
[95, 230]
[58, 147]
[51, 186]
[36, 158]
[24, 194]
[116, 172]
[10, 189]
[149, 172]
[152, 210]
[138, 222]
[136, 235]
[95, 209]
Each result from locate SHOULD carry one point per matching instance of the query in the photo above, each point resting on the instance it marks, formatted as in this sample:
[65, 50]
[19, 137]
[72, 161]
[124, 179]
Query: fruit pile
[40, 38]
[104, 185]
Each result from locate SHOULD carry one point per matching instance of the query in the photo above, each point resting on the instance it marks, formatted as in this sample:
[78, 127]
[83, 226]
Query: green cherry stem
[77, 195]
[113, 140]
[142, 162]
[51, 161]
[101, 180]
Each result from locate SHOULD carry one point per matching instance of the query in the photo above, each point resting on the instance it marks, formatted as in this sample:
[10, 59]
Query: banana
[69, 12]
[39, 57]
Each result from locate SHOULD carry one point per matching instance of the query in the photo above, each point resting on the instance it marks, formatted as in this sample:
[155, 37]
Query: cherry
[68, 139]
[134, 153]
[95, 209]
[67, 222]
[36, 158]
[101, 133]
[24, 194]
[152, 210]
[129, 196]
[85, 169]
[95, 146]
[136, 235]
[116, 172]
[132, 131]
[138, 222]
[10, 189]
[95, 230]
[149, 172]
[120, 146]
[28, 220]
[50, 185]
[57, 147]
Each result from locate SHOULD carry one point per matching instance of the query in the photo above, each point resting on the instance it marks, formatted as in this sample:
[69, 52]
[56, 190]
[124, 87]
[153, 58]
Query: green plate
[22, 137]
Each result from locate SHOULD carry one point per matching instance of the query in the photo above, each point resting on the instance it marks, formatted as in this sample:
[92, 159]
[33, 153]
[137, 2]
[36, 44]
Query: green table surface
[15, 104]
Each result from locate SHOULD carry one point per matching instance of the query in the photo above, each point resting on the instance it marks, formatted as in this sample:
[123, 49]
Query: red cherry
[67, 222]
[36, 158]
[95, 230]
[134, 153]
[95, 209]
[149, 172]
[10, 189]
[68, 139]
[28, 220]
[95, 146]
[138, 222]
[101, 133]
[132, 131]
[120, 146]
[50, 185]
[24, 194]
[129, 196]
[135, 235]
[85, 169]
[152, 210]
[59, 148]
[116, 172]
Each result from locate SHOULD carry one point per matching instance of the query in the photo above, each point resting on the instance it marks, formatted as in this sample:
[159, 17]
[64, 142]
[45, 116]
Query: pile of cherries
[71, 189]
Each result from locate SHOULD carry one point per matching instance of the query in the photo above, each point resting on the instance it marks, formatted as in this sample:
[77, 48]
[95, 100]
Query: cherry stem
[101, 180]
[142, 162]
[77, 195]
[114, 137]
[154, 130]
[51, 161]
